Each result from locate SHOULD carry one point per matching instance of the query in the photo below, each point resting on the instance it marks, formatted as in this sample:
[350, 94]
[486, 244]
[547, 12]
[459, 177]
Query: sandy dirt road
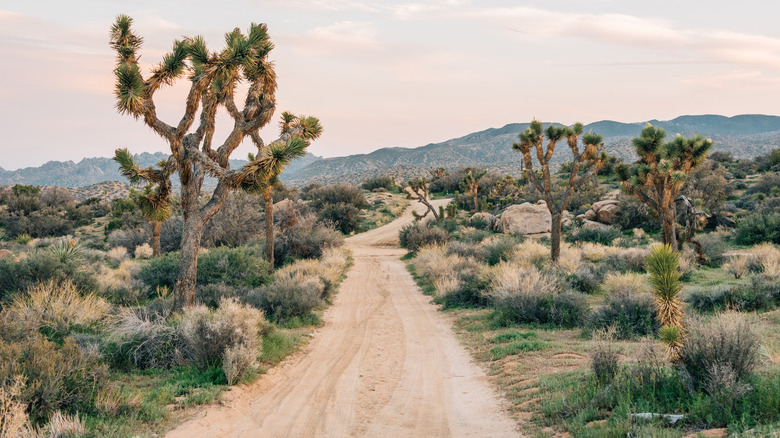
[385, 364]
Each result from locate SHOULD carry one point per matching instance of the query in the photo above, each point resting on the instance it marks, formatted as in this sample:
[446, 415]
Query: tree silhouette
[592, 156]
[214, 77]
[661, 171]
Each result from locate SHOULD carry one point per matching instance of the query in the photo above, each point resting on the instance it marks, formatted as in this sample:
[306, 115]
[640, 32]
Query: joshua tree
[419, 192]
[470, 185]
[213, 78]
[661, 171]
[592, 156]
[155, 200]
[662, 266]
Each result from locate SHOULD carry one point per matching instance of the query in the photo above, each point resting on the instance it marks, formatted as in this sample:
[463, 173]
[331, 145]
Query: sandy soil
[385, 364]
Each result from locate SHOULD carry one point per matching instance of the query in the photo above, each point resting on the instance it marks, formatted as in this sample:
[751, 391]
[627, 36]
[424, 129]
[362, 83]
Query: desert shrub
[630, 259]
[341, 193]
[211, 294]
[530, 253]
[242, 266]
[499, 249]
[328, 268]
[379, 182]
[305, 239]
[632, 213]
[727, 341]
[129, 238]
[144, 340]
[761, 295]
[602, 235]
[417, 235]
[238, 222]
[569, 260]
[13, 415]
[766, 259]
[65, 426]
[56, 309]
[587, 279]
[464, 249]
[207, 334]
[42, 266]
[523, 294]
[708, 183]
[738, 265]
[117, 255]
[345, 217]
[768, 184]
[759, 227]
[59, 377]
[39, 223]
[596, 252]
[479, 223]
[143, 251]
[714, 247]
[236, 360]
[473, 235]
[170, 234]
[292, 294]
[604, 357]
[628, 308]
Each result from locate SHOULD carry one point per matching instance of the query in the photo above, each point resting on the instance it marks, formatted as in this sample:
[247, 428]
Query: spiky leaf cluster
[662, 264]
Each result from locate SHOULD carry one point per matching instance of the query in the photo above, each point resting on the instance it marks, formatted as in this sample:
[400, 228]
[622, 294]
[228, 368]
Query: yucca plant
[662, 265]
[67, 251]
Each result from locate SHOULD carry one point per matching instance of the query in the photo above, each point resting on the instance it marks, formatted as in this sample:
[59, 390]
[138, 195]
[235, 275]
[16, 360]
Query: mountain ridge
[745, 135]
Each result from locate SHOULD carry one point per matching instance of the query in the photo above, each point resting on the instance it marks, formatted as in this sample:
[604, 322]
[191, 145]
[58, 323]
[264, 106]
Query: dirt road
[385, 364]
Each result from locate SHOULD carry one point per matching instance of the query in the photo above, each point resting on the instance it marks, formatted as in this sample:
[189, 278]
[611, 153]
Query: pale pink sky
[384, 74]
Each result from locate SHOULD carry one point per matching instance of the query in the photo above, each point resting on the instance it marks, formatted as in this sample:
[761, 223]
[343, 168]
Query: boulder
[491, 220]
[590, 215]
[593, 224]
[525, 218]
[606, 211]
[566, 218]
[612, 195]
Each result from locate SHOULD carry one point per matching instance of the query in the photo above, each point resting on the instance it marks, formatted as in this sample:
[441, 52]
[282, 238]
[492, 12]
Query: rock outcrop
[525, 219]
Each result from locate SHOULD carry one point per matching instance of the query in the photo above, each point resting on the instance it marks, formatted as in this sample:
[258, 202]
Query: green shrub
[417, 235]
[587, 279]
[714, 248]
[629, 259]
[759, 227]
[761, 295]
[42, 266]
[500, 249]
[632, 315]
[288, 296]
[477, 252]
[473, 235]
[727, 341]
[604, 236]
[305, 239]
[345, 217]
[341, 193]
[236, 267]
[383, 182]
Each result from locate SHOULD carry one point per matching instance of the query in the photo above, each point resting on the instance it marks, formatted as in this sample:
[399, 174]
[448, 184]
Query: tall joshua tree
[470, 185]
[660, 173]
[213, 77]
[592, 156]
[155, 200]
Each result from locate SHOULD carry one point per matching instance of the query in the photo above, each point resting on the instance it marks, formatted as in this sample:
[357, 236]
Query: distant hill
[745, 136]
[91, 171]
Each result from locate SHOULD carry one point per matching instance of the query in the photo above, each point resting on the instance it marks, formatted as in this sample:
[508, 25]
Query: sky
[393, 74]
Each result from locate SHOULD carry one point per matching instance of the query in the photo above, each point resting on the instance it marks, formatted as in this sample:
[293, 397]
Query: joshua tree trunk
[269, 227]
[156, 226]
[555, 237]
[186, 275]
[670, 229]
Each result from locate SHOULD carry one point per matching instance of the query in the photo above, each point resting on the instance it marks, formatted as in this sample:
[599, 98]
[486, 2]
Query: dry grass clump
[64, 426]
[236, 360]
[570, 260]
[738, 264]
[145, 340]
[596, 252]
[441, 269]
[208, 334]
[604, 357]
[628, 259]
[13, 413]
[510, 280]
[292, 294]
[329, 268]
[116, 255]
[629, 283]
[767, 256]
[56, 307]
[121, 284]
[530, 253]
[143, 251]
